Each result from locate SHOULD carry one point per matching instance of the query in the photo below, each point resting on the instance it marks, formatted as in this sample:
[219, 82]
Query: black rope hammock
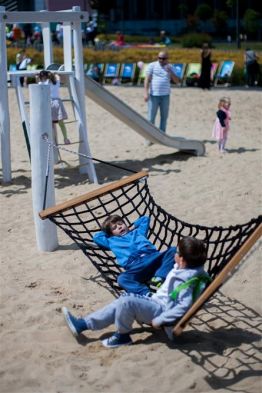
[130, 197]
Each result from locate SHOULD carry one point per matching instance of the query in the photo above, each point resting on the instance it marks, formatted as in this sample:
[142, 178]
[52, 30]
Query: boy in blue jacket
[135, 253]
[183, 285]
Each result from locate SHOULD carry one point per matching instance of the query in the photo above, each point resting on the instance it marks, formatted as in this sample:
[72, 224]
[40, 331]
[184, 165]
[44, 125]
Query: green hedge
[178, 55]
[135, 39]
[134, 55]
[195, 40]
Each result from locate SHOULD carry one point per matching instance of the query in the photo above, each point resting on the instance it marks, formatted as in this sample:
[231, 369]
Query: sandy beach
[220, 350]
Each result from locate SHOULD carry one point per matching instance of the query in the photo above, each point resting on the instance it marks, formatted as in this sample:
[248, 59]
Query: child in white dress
[58, 111]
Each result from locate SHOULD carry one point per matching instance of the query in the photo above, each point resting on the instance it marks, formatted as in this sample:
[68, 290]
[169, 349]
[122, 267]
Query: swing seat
[80, 218]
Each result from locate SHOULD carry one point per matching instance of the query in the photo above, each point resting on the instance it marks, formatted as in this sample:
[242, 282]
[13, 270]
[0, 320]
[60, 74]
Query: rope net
[81, 220]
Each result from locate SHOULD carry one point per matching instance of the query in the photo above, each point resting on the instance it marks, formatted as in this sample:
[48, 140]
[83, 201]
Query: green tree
[183, 9]
[251, 21]
[191, 22]
[103, 7]
[220, 21]
[204, 12]
[231, 3]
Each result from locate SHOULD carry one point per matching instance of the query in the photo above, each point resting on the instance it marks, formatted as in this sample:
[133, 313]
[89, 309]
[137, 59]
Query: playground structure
[41, 123]
[40, 120]
[71, 20]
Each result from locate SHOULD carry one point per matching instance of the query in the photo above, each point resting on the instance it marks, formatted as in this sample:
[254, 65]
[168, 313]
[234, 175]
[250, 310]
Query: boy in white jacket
[183, 284]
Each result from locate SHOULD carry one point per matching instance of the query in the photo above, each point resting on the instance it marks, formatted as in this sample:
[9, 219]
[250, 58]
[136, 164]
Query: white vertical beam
[40, 122]
[86, 166]
[48, 46]
[4, 110]
[67, 43]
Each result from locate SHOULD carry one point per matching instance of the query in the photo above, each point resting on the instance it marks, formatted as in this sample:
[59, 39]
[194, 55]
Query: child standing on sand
[221, 126]
[58, 111]
[183, 285]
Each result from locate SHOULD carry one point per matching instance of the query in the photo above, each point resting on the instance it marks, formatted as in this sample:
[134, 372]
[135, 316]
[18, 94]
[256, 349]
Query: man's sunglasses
[162, 58]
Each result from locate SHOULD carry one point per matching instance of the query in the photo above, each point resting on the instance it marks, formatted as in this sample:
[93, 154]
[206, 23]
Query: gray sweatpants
[123, 312]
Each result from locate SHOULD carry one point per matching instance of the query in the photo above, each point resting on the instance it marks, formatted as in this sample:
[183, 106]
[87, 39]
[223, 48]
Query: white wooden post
[80, 87]
[67, 45]
[4, 109]
[40, 123]
[48, 45]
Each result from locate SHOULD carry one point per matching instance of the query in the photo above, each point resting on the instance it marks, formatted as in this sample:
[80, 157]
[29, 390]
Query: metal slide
[134, 120]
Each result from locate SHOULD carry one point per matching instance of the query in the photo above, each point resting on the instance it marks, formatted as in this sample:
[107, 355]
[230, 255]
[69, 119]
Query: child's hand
[155, 326]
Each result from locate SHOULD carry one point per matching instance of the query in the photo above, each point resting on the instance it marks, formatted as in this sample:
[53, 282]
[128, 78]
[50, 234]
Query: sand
[219, 350]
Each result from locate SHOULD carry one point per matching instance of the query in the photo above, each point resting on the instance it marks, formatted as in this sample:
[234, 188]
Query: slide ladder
[73, 98]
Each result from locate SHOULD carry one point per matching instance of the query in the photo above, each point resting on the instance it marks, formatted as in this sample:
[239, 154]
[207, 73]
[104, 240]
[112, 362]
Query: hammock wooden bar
[74, 202]
[130, 197]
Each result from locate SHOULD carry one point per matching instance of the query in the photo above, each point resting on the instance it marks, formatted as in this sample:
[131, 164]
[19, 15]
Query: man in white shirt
[157, 88]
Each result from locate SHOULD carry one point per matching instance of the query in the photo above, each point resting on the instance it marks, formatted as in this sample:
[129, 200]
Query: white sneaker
[117, 340]
[148, 143]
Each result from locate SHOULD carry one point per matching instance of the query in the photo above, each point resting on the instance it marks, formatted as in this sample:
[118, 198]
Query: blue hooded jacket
[129, 244]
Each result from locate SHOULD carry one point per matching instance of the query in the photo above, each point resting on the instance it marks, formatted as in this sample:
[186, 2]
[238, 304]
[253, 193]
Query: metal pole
[4, 109]
[237, 25]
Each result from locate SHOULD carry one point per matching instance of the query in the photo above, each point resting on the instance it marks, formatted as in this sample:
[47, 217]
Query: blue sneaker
[117, 340]
[76, 325]
[169, 332]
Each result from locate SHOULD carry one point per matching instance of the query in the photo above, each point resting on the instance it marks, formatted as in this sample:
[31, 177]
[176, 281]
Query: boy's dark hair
[43, 74]
[194, 251]
[48, 75]
[112, 219]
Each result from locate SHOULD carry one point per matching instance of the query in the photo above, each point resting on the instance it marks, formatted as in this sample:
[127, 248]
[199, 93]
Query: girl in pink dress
[221, 126]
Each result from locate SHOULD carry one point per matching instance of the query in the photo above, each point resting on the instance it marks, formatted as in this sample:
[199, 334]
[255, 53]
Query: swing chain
[46, 139]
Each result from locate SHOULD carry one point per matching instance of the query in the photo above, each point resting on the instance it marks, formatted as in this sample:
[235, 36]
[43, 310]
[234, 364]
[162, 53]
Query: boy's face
[118, 228]
[43, 78]
[179, 260]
